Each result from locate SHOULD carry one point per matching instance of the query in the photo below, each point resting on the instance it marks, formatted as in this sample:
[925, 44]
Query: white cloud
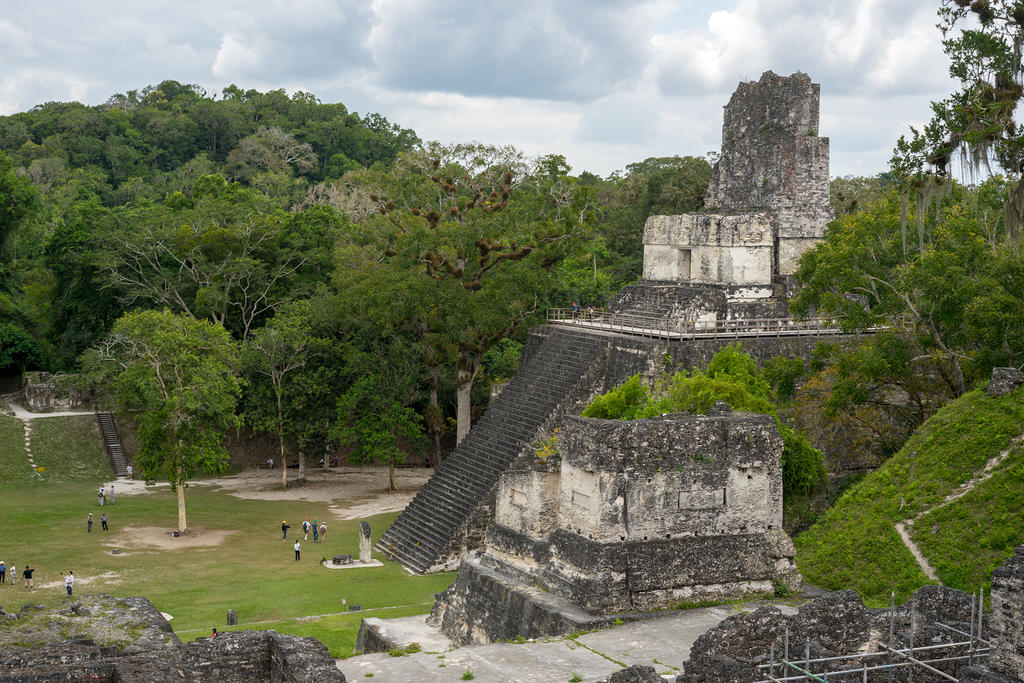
[235, 59]
[604, 82]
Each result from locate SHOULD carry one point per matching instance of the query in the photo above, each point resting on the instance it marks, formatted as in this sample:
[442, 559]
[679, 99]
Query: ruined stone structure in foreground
[630, 516]
[105, 639]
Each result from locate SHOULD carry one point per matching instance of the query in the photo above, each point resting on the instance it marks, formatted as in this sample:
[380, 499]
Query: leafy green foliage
[19, 351]
[731, 377]
[179, 374]
[854, 544]
[941, 339]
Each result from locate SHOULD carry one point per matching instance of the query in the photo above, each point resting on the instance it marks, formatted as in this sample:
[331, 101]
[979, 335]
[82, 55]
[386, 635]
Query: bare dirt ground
[351, 492]
[162, 538]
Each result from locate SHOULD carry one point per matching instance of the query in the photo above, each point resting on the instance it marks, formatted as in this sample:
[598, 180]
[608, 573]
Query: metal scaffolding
[823, 669]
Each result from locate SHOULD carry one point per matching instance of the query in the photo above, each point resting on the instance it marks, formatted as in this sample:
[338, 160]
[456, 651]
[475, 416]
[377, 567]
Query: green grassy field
[253, 571]
[854, 544]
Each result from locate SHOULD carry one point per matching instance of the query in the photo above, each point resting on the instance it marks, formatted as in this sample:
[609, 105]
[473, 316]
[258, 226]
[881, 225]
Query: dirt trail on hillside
[958, 492]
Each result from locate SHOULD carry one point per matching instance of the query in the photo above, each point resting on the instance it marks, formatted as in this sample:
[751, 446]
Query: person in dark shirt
[284, 530]
[27, 575]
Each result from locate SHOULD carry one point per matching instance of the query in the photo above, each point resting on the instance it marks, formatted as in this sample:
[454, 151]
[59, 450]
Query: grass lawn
[854, 544]
[253, 572]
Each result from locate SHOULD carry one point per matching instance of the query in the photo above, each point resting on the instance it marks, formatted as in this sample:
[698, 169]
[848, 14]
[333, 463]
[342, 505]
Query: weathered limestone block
[140, 646]
[1004, 381]
[529, 502]
[641, 514]
[1006, 625]
[710, 249]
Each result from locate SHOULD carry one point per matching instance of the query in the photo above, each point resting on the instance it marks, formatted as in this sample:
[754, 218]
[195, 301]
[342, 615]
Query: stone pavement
[662, 642]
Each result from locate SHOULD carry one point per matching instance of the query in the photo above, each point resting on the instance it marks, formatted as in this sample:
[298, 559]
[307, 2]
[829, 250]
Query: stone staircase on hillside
[545, 383]
[113, 443]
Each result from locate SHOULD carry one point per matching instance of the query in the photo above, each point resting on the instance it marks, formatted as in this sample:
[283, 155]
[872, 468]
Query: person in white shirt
[69, 582]
[298, 548]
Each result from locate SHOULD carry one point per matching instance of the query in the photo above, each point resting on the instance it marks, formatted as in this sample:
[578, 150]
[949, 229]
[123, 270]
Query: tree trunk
[466, 369]
[392, 486]
[181, 508]
[280, 440]
[435, 419]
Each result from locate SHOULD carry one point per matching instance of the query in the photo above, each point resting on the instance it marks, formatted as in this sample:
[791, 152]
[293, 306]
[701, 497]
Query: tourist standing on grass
[305, 529]
[69, 582]
[100, 494]
[298, 549]
[88, 524]
[316, 531]
[110, 494]
[13, 572]
[284, 530]
[103, 521]
[323, 532]
[3, 571]
[27, 575]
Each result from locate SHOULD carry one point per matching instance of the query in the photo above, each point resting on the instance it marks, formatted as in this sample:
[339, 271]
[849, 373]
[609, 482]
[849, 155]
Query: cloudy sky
[604, 82]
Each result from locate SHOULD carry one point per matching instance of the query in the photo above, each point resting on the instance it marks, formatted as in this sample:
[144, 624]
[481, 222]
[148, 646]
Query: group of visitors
[106, 495]
[9, 575]
[103, 521]
[318, 529]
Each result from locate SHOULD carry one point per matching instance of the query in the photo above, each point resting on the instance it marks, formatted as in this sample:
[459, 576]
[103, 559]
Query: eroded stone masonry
[630, 516]
[766, 205]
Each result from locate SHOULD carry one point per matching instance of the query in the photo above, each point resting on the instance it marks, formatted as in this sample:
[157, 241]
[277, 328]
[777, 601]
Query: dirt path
[958, 492]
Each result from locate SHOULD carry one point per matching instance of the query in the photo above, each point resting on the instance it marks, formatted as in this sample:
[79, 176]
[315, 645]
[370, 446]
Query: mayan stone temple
[632, 516]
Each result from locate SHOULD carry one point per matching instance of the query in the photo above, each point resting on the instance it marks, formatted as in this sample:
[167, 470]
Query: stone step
[547, 375]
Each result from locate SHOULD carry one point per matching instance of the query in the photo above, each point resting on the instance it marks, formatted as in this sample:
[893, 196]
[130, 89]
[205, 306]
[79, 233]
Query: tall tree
[226, 253]
[274, 351]
[476, 227]
[178, 374]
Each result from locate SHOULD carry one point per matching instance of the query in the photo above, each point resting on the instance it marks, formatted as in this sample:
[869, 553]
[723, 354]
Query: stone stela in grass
[364, 542]
[365, 558]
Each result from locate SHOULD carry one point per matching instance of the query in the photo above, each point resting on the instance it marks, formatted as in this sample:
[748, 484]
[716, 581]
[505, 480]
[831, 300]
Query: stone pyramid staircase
[542, 388]
[113, 443]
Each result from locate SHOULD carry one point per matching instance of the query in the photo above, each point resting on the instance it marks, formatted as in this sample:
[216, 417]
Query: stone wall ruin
[631, 516]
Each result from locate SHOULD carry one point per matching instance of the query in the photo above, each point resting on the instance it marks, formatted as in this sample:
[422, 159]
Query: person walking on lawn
[12, 571]
[284, 530]
[69, 582]
[316, 531]
[27, 575]
[88, 524]
[3, 571]
[103, 521]
[100, 495]
[323, 532]
[305, 529]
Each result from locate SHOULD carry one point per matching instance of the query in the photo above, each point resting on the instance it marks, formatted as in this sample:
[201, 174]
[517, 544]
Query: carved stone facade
[45, 392]
[767, 202]
[631, 516]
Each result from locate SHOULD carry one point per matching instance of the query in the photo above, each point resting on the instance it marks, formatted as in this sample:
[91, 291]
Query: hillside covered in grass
[966, 519]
